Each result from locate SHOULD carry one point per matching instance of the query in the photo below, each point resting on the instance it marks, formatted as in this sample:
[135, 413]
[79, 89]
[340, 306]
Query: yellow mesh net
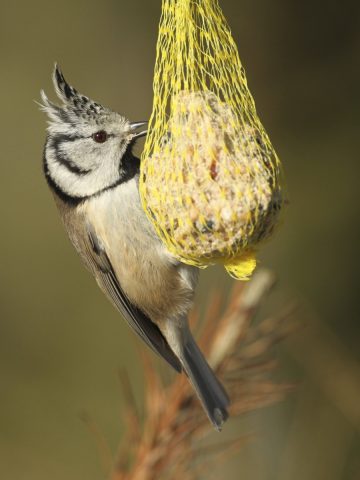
[210, 179]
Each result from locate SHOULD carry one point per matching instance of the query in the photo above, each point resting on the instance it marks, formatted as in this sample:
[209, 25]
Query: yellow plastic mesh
[210, 178]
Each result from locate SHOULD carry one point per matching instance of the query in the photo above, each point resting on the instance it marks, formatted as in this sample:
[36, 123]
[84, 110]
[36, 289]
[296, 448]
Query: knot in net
[210, 179]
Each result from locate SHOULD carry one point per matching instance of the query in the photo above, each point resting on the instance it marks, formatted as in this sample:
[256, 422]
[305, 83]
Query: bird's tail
[208, 388]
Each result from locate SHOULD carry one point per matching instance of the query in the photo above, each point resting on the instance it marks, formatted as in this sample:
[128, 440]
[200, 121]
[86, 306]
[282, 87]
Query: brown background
[61, 342]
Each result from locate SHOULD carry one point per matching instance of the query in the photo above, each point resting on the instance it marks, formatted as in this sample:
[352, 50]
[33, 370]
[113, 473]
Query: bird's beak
[135, 126]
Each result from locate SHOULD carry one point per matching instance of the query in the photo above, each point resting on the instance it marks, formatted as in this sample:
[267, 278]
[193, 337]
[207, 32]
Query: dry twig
[166, 445]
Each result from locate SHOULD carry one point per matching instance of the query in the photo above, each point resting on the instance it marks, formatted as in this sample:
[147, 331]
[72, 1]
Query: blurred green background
[61, 342]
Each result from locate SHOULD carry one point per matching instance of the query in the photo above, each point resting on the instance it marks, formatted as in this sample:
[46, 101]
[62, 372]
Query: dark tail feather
[208, 388]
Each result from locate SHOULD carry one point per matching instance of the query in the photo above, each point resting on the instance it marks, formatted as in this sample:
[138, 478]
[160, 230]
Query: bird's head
[88, 147]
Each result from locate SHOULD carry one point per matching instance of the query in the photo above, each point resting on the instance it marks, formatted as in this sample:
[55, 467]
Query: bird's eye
[100, 137]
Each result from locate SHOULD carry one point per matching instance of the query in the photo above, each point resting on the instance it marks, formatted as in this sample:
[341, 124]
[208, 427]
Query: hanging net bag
[210, 180]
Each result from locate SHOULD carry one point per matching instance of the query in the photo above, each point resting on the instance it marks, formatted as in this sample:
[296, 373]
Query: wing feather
[141, 323]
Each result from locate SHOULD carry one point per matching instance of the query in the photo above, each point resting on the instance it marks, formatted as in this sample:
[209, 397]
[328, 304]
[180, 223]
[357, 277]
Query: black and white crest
[75, 106]
[80, 104]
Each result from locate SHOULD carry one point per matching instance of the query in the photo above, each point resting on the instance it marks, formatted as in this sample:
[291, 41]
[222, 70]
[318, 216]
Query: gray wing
[141, 323]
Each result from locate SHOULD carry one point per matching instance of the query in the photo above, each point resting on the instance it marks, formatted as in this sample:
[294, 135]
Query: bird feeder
[210, 180]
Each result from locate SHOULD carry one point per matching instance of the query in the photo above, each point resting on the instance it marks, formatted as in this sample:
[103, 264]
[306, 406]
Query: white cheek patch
[80, 153]
[101, 170]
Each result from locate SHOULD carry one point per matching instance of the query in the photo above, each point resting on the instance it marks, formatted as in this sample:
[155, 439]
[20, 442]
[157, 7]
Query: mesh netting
[210, 178]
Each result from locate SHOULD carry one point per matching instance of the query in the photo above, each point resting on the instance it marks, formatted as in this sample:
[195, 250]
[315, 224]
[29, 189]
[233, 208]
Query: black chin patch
[130, 164]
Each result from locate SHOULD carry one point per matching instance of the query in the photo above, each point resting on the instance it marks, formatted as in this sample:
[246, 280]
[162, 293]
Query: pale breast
[152, 279]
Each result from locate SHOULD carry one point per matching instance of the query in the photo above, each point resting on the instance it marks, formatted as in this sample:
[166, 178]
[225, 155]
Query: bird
[93, 174]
